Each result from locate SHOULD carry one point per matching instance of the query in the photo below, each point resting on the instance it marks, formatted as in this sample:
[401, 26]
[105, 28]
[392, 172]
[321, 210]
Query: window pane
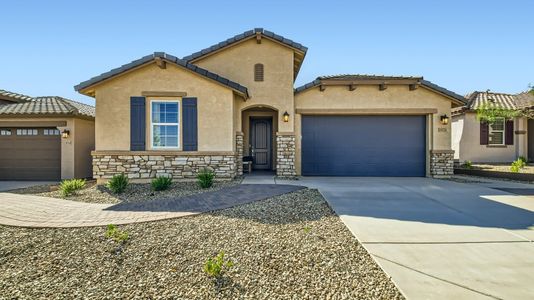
[156, 139]
[171, 118]
[156, 112]
[498, 125]
[172, 141]
[496, 138]
[171, 107]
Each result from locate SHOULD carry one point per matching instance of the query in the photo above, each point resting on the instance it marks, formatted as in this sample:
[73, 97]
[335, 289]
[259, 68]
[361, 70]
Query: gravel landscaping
[529, 169]
[287, 247]
[134, 192]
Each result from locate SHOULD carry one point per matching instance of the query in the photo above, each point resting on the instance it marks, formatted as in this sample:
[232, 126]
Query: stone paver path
[35, 211]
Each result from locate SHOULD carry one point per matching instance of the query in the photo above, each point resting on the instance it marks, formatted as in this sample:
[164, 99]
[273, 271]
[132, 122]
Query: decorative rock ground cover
[287, 247]
[133, 193]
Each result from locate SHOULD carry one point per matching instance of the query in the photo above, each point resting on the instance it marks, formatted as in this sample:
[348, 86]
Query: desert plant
[119, 236]
[118, 183]
[216, 266]
[517, 165]
[70, 186]
[161, 183]
[205, 178]
[523, 159]
[467, 164]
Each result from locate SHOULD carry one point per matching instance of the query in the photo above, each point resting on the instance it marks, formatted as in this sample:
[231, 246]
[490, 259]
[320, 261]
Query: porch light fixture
[65, 133]
[286, 117]
[444, 119]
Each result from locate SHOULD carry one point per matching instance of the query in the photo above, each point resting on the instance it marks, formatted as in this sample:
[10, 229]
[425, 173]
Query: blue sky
[49, 46]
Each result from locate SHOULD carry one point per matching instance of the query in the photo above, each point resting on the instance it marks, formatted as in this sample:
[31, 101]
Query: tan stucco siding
[237, 63]
[84, 135]
[215, 106]
[396, 99]
[466, 141]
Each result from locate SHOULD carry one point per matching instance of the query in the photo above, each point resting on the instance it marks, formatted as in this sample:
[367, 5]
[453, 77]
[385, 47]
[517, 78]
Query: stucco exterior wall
[466, 141]
[215, 106]
[84, 143]
[369, 98]
[237, 63]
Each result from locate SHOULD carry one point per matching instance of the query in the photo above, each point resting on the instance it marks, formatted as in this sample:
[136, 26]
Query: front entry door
[260, 142]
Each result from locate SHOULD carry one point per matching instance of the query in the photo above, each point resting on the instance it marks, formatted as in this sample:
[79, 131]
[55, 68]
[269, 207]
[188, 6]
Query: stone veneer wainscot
[147, 164]
[441, 163]
[285, 155]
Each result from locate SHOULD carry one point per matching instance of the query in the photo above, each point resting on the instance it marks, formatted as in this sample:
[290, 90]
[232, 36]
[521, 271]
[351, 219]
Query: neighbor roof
[246, 35]
[51, 105]
[170, 58]
[498, 100]
[15, 97]
[357, 77]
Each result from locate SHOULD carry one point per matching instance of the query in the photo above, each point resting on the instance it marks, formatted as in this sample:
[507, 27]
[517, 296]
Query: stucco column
[521, 137]
[67, 151]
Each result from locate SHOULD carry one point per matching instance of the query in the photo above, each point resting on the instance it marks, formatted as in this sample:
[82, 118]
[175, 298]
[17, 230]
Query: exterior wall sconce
[444, 119]
[65, 133]
[286, 117]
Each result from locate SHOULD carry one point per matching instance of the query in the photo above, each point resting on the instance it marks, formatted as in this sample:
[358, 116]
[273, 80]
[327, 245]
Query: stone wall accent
[239, 153]
[441, 163]
[285, 158]
[178, 166]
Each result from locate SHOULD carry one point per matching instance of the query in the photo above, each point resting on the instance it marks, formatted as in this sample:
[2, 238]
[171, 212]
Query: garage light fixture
[65, 133]
[444, 119]
[286, 117]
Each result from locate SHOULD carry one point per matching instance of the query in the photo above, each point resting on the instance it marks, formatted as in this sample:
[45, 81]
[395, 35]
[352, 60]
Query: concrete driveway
[438, 238]
[11, 185]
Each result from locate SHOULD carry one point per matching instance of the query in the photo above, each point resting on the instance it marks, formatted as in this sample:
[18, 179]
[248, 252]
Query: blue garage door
[363, 145]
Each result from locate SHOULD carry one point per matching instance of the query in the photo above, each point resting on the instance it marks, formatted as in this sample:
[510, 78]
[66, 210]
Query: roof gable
[14, 97]
[169, 58]
[250, 34]
[355, 79]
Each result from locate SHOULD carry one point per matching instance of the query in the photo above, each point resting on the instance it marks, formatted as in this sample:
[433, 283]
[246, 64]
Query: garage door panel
[363, 145]
[36, 157]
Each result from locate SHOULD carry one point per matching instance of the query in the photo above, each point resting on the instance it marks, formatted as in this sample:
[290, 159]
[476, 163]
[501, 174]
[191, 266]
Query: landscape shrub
[517, 165]
[118, 183]
[205, 178]
[217, 266]
[70, 186]
[161, 183]
[467, 164]
[523, 159]
[119, 236]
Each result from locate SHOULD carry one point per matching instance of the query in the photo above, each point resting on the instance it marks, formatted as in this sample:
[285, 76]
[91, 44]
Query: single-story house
[500, 142]
[165, 116]
[45, 138]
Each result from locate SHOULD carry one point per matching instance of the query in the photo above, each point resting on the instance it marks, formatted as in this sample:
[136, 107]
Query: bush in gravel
[205, 178]
[115, 234]
[70, 186]
[118, 183]
[517, 165]
[161, 183]
[216, 266]
[467, 164]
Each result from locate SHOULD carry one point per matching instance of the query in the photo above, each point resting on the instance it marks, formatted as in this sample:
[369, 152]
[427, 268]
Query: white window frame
[6, 132]
[491, 130]
[27, 131]
[51, 131]
[179, 131]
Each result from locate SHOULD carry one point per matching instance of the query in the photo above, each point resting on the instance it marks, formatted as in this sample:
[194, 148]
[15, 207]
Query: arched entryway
[260, 124]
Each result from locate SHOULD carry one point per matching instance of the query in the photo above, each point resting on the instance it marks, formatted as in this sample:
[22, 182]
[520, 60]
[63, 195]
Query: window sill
[497, 146]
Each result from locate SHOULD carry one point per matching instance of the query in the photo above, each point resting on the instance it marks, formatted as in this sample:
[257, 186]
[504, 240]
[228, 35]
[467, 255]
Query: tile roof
[525, 100]
[245, 35]
[52, 105]
[420, 79]
[173, 59]
[14, 96]
[499, 100]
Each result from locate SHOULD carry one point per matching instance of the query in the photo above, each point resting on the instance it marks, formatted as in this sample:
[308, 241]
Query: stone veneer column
[285, 158]
[441, 163]
[239, 153]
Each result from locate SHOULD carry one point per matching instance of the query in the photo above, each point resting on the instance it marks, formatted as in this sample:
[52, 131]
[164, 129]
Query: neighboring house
[501, 142]
[31, 142]
[161, 115]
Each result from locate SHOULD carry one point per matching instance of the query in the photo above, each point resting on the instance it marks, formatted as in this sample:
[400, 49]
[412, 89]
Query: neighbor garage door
[364, 145]
[30, 154]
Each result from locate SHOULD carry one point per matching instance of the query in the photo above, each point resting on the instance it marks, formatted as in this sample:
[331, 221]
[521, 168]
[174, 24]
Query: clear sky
[47, 47]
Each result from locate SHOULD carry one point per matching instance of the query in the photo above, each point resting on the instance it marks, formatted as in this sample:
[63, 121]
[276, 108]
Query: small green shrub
[115, 234]
[118, 183]
[161, 183]
[205, 178]
[216, 266]
[307, 229]
[70, 186]
[517, 165]
[467, 164]
[523, 159]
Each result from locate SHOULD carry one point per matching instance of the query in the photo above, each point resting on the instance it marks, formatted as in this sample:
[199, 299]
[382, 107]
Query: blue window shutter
[137, 123]
[190, 124]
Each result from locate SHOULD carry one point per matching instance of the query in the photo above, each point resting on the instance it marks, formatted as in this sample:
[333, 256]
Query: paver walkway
[35, 211]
